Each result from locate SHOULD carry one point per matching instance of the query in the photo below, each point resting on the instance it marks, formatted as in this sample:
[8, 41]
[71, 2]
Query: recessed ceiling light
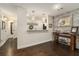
[57, 7]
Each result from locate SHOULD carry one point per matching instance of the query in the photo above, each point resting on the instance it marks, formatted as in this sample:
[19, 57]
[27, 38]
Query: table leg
[73, 42]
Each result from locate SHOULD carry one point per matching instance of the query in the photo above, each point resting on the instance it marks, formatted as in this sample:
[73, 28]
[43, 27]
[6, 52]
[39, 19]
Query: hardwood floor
[45, 49]
[9, 47]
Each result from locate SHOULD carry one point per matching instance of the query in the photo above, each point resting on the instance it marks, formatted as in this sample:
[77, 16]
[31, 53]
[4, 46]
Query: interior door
[11, 27]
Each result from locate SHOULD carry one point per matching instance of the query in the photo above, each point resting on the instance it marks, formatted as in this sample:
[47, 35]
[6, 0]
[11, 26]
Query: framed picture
[45, 20]
[50, 25]
[65, 21]
[74, 29]
[3, 25]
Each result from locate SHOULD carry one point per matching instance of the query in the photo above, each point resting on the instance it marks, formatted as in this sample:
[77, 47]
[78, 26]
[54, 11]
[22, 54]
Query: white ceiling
[47, 7]
[7, 9]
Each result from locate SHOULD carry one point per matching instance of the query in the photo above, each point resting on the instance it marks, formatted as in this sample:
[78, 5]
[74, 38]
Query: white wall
[50, 21]
[6, 10]
[26, 39]
[4, 34]
[0, 29]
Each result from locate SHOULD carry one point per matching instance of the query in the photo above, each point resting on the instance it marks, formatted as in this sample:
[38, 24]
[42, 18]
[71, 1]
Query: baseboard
[23, 46]
[2, 43]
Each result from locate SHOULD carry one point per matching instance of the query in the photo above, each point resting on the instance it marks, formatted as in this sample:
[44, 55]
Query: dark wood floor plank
[45, 49]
